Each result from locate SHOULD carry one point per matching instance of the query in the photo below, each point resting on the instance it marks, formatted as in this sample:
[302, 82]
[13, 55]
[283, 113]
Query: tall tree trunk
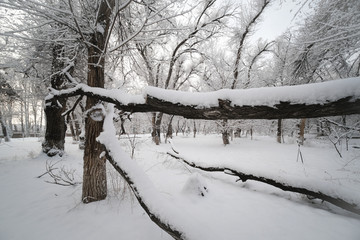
[279, 131]
[69, 120]
[22, 118]
[194, 129]
[55, 122]
[41, 118]
[76, 126]
[169, 132]
[27, 114]
[9, 118]
[153, 125]
[34, 109]
[94, 174]
[225, 132]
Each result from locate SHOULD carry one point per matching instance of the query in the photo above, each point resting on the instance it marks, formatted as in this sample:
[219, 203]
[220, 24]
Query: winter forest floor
[32, 208]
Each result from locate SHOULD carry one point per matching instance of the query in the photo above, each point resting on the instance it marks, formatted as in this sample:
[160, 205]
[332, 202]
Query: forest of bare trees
[62, 64]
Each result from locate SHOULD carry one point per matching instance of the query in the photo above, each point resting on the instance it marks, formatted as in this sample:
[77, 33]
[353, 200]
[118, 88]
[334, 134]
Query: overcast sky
[278, 18]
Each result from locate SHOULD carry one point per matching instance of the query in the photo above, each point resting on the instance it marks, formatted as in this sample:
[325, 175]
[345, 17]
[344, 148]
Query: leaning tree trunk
[55, 122]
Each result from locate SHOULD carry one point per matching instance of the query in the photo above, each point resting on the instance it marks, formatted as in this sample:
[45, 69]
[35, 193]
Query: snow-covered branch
[338, 97]
[159, 211]
[314, 193]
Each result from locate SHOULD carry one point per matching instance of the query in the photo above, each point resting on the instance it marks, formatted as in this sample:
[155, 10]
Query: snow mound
[195, 185]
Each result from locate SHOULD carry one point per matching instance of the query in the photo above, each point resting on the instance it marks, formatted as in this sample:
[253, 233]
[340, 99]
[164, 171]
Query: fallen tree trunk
[155, 217]
[283, 186]
[332, 98]
[161, 212]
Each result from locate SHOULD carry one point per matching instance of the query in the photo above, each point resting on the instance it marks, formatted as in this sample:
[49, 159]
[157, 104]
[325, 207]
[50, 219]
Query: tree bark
[94, 174]
[302, 131]
[285, 109]
[55, 122]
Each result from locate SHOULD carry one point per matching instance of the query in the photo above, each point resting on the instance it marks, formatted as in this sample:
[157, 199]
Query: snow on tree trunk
[161, 212]
[94, 174]
[55, 122]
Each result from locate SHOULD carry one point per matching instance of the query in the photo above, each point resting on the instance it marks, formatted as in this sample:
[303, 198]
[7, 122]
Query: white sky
[278, 18]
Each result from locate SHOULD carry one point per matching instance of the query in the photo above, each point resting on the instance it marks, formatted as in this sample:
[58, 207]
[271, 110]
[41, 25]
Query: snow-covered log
[273, 182]
[338, 97]
[159, 210]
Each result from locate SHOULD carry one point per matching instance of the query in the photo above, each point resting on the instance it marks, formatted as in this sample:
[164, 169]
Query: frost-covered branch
[338, 97]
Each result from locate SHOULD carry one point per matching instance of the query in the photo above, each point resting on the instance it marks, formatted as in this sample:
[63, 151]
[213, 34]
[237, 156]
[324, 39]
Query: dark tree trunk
[94, 174]
[55, 122]
[153, 131]
[55, 129]
[169, 132]
[279, 131]
[122, 127]
[70, 122]
[195, 130]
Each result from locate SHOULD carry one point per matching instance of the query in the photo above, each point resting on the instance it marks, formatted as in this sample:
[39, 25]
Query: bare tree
[247, 27]
[205, 22]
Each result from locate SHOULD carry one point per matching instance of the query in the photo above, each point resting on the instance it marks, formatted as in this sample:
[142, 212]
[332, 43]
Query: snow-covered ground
[32, 208]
